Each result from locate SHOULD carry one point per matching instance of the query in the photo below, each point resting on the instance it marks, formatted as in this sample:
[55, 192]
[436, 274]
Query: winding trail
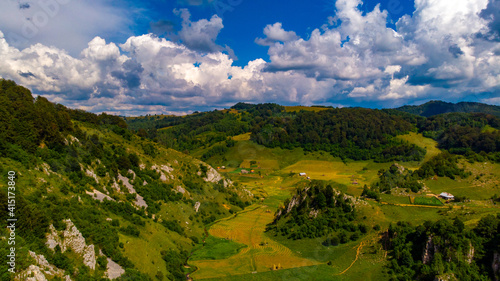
[357, 256]
[419, 206]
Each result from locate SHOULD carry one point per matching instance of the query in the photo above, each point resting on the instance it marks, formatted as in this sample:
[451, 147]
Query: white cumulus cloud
[445, 50]
[275, 33]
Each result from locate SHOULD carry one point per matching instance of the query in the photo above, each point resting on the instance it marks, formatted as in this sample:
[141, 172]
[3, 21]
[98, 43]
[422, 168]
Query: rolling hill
[432, 108]
[254, 192]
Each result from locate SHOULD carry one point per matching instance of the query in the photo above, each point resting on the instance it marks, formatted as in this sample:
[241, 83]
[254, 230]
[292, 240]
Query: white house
[302, 174]
[447, 196]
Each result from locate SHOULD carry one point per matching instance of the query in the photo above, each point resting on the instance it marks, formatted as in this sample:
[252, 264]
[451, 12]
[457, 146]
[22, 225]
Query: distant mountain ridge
[432, 108]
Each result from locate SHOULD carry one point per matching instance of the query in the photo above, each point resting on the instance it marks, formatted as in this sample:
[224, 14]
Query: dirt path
[435, 207]
[423, 206]
[357, 256]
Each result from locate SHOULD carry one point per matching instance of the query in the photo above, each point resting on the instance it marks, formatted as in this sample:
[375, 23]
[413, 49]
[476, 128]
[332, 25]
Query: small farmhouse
[302, 174]
[447, 196]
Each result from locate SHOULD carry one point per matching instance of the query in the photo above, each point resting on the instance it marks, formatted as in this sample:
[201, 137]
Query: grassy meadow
[238, 247]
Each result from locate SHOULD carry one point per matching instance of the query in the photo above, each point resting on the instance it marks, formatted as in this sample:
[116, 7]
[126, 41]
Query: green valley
[254, 192]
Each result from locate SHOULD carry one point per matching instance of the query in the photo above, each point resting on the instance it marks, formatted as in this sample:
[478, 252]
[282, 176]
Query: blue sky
[244, 20]
[180, 56]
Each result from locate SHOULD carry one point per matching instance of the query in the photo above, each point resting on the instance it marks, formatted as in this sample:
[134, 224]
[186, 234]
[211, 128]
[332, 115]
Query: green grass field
[429, 144]
[242, 137]
[392, 199]
[429, 201]
[275, 158]
[368, 271]
[361, 172]
[144, 251]
[481, 185]
[217, 248]
[260, 254]
[489, 129]
[413, 214]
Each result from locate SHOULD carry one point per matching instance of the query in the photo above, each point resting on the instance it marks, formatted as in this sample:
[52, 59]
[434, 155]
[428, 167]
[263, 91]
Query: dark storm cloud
[455, 50]
[492, 14]
[26, 74]
[130, 75]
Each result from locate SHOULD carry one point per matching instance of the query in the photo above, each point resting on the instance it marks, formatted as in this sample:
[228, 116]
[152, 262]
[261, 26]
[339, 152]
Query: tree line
[443, 248]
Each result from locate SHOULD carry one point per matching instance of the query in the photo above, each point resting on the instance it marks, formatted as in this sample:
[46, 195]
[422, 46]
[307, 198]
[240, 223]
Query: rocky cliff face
[97, 195]
[139, 200]
[446, 277]
[41, 270]
[72, 238]
[212, 175]
[429, 251]
[432, 248]
[162, 169]
[114, 270]
[296, 200]
[495, 265]
[197, 206]
[470, 253]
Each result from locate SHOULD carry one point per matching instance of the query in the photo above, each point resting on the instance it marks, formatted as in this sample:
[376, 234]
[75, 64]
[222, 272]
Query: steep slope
[93, 200]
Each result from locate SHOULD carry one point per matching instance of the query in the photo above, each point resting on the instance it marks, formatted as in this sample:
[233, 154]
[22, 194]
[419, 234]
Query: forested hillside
[353, 133]
[463, 133]
[134, 207]
[444, 250]
[439, 107]
[349, 133]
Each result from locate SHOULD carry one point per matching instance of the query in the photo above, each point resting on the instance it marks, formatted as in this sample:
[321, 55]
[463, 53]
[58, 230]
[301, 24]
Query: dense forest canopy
[353, 133]
[462, 133]
[27, 123]
[445, 249]
[318, 210]
[349, 133]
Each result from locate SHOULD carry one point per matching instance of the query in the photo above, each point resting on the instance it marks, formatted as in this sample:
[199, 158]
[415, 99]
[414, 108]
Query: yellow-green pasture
[242, 137]
[353, 174]
[481, 185]
[261, 253]
[266, 164]
[144, 251]
[418, 139]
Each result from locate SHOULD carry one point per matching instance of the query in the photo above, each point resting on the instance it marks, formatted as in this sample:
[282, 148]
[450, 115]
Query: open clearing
[217, 248]
[242, 137]
[353, 174]
[430, 201]
[429, 144]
